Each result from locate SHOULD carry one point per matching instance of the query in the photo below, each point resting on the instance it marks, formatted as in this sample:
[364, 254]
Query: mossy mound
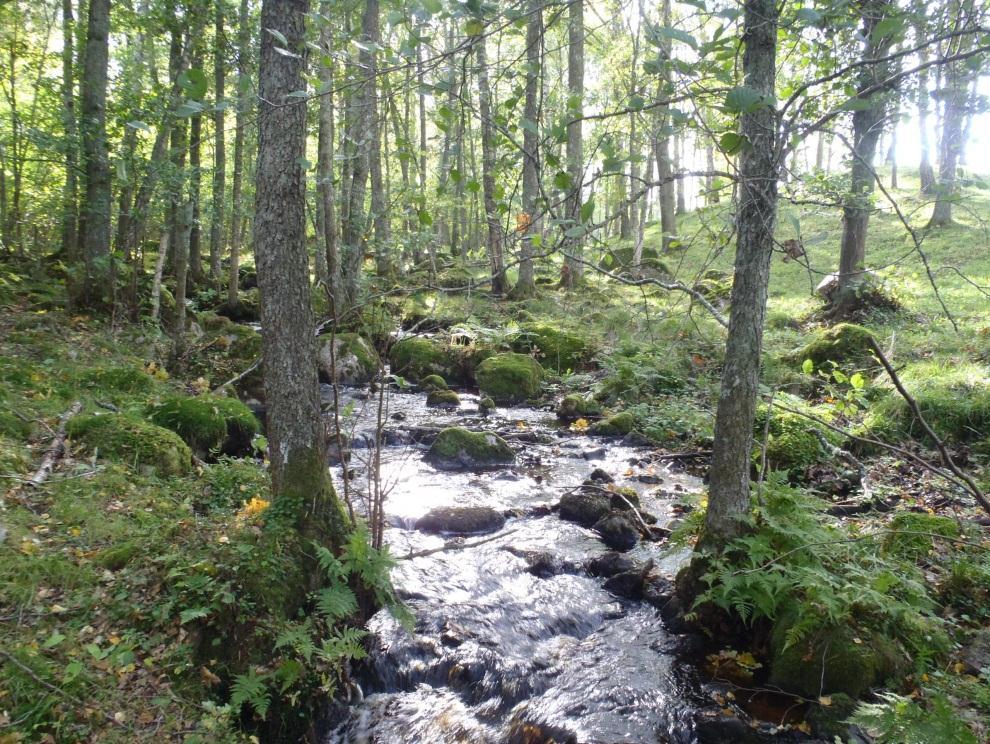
[228, 348]
[208, 424]
[418, 358]
[486, 404]
[116, 557]
[129, 380]
[575, 406]
[456, 278]
[795, 441]
[443, 399]
[555, 349]
[614, 426]
[348, 359]
[844, 344]
[509, 378]
[134, 442]
[954, 399]
[912, 534]
[247, 309]
[715, 286]
[620, 260]
[840, 659]
[457, 448]
[431, 383]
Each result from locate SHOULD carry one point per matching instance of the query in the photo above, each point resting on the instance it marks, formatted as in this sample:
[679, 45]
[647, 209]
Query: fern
[336, 602]
[343, 646]
[250, 688]
[899, 720]
[299, 639]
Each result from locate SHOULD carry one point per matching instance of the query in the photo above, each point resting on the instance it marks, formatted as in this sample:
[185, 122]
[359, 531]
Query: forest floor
[106, 567]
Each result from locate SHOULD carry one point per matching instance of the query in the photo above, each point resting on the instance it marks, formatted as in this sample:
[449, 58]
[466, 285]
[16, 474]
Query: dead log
[57, 448]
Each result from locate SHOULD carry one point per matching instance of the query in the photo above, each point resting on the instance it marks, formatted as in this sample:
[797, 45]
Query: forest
[495, 371]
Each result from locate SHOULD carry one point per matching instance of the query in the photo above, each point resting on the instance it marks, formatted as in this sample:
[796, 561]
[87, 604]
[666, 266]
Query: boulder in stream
[348, 359]
[443, 399]
[456, 448]
[618, 531]
[509, 378]
[584, 508]
[461, 520]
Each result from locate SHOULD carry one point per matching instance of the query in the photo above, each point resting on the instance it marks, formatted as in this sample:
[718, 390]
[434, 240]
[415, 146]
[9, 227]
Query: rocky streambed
[549, 625]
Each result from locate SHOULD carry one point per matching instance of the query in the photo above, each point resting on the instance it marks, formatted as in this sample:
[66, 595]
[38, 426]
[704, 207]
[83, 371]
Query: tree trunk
[892, 154]
[324, 154]
[182, 232]
[90, 286]
[526, 284]
[371, 31]
[237, 209]
[678, 167]
[574, 247]
[926, 172]
[488, 162]
[301, 484]
[420, 82]
[195, 180]
[661, 143]
[69, 190]
[867, 128]
[219, 150]
[728, 500]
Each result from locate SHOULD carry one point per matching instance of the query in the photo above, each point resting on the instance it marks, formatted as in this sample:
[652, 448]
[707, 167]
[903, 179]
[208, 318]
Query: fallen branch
[460, 546]
[56, 450]
[947, 460]
[238, 378]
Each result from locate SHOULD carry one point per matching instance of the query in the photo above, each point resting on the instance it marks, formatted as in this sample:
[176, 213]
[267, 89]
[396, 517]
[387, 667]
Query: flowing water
[502, 651]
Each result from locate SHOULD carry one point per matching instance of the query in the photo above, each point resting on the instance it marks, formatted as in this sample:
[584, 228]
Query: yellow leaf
[825, 701]
[29, 547]
[804, 727]
[580, 425]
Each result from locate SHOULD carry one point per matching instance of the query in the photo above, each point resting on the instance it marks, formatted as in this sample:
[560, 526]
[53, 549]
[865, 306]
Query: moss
[14, 456]
[134, 442]
[417, 358]
[715, 286]
[794, 441]
[954, 399]
[456, 447]
[840, 659]
[554, 348]
[844, 344]
[351, 360]
[12, 426]
[620, 259]
[830, 721]
[911, 534]
[576, 406]
[618, 425]
[509, 378]
[432, 382]
[208, 423]
[116, 557]
[967, 588]
[121, 379]
[443, 399]
[486, 404]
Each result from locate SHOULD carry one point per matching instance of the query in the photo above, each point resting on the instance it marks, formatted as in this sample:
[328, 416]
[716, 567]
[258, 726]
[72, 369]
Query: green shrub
[134, 442]
[231, 483]
[901, 720]
[795, 441]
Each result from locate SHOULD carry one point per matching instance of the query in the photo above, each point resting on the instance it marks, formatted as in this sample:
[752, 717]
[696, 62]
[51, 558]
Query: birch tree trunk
[526, 283]
[574, 247]
[488, 161]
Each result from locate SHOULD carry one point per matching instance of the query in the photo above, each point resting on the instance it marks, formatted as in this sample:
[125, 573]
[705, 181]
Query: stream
[514, 640]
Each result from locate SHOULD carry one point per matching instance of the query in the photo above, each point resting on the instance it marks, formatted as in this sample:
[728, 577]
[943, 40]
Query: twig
[241, 376]
[461, 546]
[56, 449]
[57, 690]
[947, 460]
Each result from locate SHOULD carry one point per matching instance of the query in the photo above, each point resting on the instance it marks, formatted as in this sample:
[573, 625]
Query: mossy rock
[715, 286]
[133, 442]
[844, 344]
[583, 508]
[116, 557]
[554, 348]
[574, 406]
[486, 404]
[208, 424]
[461, 520]
[348, 359]
[795, 441]
[619, 260]
[247, 309]
[418, 358]
[830, 721]
[431, 383]
[911, 535]
[509, 378]
[456, 279]
[456, 448]
[614, 426]
[443, 399]
[954, 399]
[831, 660]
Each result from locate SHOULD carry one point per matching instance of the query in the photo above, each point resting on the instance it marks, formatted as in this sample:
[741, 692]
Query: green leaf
[675, 34]
[193, 613]
[577, 231]
[857, 381]
[732, 143]
[744, 100]
[53, 640]
[279, 36]
[587, 210]
[425, 218]
[562, 181]
[143, 126]
[808, 367]
[808, 15]
[474, 27]
[193, 82]
[636, 102]
[888, 27]
[432, 6]
[336, 602]
[529, 125]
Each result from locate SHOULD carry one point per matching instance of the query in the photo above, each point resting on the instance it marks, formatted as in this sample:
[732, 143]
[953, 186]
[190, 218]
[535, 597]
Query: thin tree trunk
[574, 247]
[219, 149]
[195, 181]
[678, 168]
[69, 191]
[926, 172]
[668, 204]
[488, 162]
[526, 284]
[324, 154]
[91, 285]
[301, 483]
[728, 500]
[237, 209]
[371, 30]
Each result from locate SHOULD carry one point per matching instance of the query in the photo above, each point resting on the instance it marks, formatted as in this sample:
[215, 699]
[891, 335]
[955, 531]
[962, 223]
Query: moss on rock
[120, 379]
[207, 423]
[509, 378]
[715, 286]
[844, 344]
[575, 406]
[348, 359]
[417, 358]
[433, 382]
[457, 448]
[795, 441]
[615, 426]
[912, 534]
[620, 259]
[486, 404]
[134, 442]
[443, 399]
[554, 348]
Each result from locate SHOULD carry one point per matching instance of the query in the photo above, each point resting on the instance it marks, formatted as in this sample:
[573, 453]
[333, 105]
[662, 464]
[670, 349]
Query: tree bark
[488, 164]
[574, 247]
[195, 181]
[237, 209]
[868, 125]
[759, 167]
[219, 149]
[324, 154]
[69, 191]
[661, 143]
[371, 31]
[89, 287]
[926, 172]
[526, 283]
[296, 439]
